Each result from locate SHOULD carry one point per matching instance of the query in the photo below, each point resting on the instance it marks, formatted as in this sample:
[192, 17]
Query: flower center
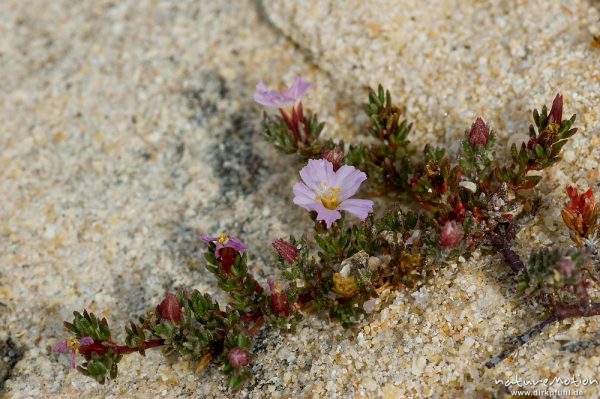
[73, 343]
[223, 238]
[328, 196]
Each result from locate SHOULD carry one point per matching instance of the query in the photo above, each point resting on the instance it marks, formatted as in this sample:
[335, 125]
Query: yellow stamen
[277, 288]
[329, 196]
[73, 343]
[223, 238]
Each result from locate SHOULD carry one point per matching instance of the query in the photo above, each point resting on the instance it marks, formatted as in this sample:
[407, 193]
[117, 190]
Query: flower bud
[480, 133]
[287, 251]
[556, 111]
[279, 302]
[451, 235]
[238, 357]
[335, 156]
[227, 258]
[170, 309]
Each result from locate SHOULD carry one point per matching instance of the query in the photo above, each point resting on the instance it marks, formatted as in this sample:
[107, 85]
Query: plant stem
[102, 347]
[520, 341]
[510, 256]
[560, 312]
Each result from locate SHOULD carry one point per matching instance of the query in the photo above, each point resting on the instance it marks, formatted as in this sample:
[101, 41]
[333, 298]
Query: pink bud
[170, 309]
[566, 267]
[480, 133]
[451, 235]
[335, 156]
[287, 251]
[238, 357]
[556, 111]
[279, 302]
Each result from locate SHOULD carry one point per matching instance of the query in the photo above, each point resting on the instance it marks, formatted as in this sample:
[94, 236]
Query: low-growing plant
[432, 208]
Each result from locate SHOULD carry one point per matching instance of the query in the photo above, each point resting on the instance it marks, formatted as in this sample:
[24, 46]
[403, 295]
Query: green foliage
[296, 133]
[277, 132]
[476, 161]
[135, 335]
[385, 118]
[555, 275]
[99, 367]
[239, 284]
[541, 151]
[88, 325]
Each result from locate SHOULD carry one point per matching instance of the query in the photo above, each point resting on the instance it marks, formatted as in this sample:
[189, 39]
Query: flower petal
[209, 238]
[327, 215]
[304, 196]
[318, 171]
[358, 207]
[236, 244]
[61, 347]
[298, 89]
[270, 98]
[348, 179]
[73, 364]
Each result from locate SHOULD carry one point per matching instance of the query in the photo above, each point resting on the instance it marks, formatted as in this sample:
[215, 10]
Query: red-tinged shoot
[580, 214]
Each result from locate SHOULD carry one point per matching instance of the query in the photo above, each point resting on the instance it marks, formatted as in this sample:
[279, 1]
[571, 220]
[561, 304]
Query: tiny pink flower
[225, 241]
[72, 345]
[328, 192]
[451, 235]
[281, 98]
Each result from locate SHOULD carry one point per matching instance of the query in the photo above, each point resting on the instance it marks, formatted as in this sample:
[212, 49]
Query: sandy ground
[127, 128]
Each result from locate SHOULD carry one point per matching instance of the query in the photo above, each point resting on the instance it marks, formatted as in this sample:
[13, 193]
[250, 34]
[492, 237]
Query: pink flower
[225, 241]
[72, 345]
[281, 98]
[328, 192]
[451, 235]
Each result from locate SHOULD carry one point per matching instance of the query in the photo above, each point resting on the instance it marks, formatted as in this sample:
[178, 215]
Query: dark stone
[10, 355]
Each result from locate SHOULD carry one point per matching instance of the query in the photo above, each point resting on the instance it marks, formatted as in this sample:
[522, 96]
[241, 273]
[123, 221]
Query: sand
[127, 128]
